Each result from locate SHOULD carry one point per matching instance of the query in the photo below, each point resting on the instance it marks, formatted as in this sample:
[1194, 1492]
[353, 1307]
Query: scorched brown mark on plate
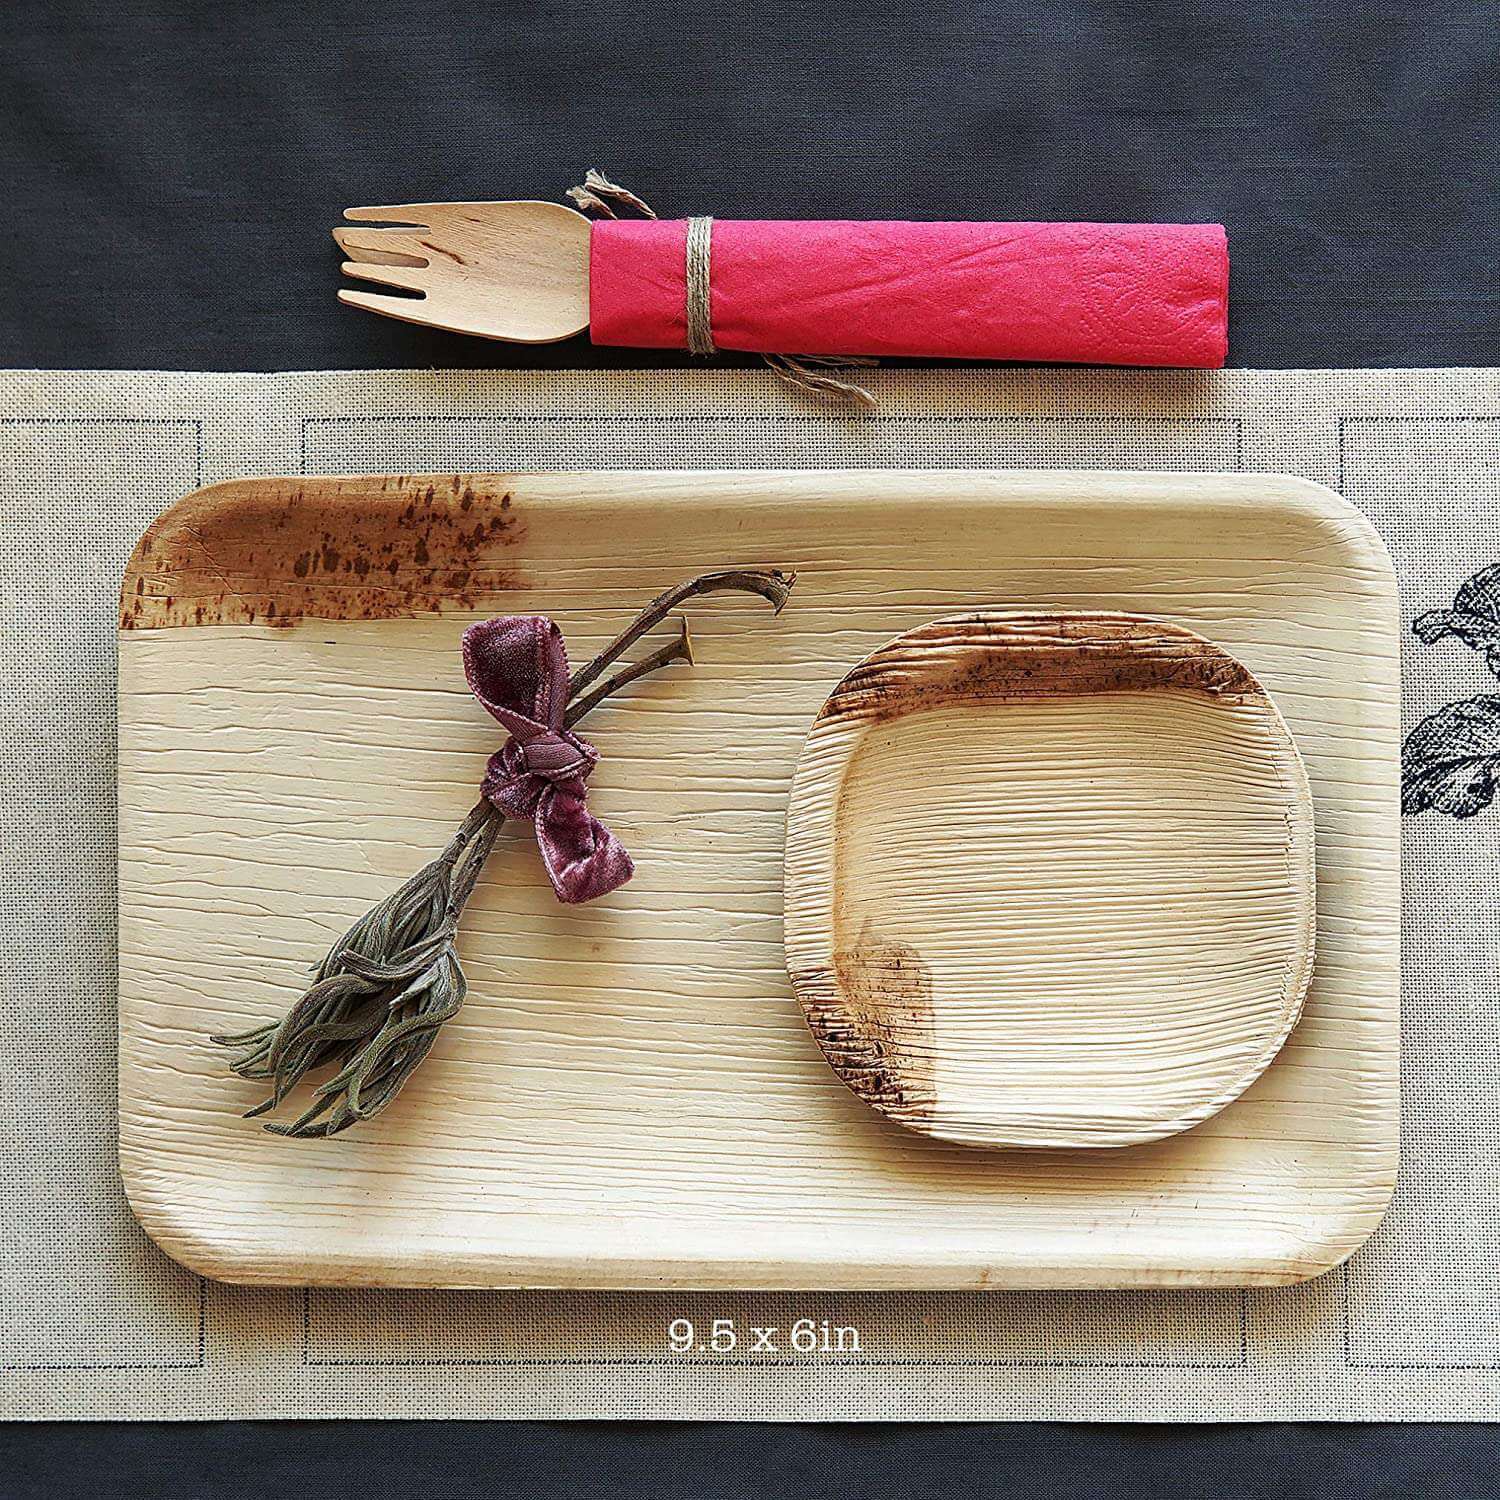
[875, 1024]
[1064, 654]
[273, 553]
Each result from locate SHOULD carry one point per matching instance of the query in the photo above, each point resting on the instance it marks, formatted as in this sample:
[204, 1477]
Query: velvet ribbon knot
[517, 667]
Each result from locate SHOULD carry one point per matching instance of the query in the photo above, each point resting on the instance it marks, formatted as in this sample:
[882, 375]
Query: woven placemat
[100, 1324]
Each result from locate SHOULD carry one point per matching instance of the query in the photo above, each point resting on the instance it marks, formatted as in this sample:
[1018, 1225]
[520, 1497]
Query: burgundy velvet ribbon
[517, 667]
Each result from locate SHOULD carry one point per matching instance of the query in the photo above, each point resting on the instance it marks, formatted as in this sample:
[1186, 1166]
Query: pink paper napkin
[1114, 294]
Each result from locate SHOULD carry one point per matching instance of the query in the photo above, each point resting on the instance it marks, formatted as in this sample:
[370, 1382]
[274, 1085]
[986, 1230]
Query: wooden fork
[517, 271]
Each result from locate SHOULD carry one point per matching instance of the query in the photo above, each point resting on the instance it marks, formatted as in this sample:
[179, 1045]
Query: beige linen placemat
[97, 1323]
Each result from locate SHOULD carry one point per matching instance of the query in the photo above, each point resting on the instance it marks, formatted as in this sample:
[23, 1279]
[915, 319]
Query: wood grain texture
[1049, 879]
[630, 1096]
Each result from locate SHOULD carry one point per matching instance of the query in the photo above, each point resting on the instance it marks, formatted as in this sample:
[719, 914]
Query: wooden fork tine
[407, 309]
[381, 247]
[382, 257]
[412, 278]
[419, 214]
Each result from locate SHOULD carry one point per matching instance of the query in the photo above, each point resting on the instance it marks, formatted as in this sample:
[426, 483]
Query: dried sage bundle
[385, 988]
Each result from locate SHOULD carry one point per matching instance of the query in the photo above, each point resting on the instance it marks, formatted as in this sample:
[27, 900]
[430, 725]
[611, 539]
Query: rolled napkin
[1114, 294]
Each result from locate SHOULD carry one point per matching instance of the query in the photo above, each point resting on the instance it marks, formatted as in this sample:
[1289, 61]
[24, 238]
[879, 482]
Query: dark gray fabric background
[172, 170]
[170, 174]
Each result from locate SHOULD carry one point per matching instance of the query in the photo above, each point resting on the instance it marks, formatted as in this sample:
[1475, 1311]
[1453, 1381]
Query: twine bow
[517, 667]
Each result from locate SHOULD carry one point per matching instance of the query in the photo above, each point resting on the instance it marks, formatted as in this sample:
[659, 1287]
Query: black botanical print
[1474, 618]
[1451, 760]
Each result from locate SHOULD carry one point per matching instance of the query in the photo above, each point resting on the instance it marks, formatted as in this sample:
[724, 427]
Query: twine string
[700, 333]
[808, 374]
[598, 195]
